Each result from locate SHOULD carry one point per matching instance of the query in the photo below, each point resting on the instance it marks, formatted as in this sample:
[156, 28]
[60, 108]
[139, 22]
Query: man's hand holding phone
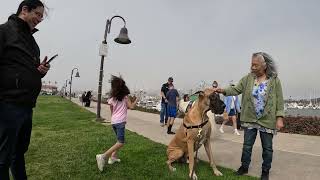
[44, 66]
[52, 58]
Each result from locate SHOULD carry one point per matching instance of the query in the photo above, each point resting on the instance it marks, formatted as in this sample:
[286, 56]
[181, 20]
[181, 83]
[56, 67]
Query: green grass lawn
[65, 140]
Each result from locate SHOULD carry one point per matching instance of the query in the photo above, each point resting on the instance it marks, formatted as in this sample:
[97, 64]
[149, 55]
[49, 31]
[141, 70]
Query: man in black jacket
[20, 84]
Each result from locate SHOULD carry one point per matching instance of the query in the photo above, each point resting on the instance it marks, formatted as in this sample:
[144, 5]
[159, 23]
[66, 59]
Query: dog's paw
[194, 177]
[172, 169]
[217, 172]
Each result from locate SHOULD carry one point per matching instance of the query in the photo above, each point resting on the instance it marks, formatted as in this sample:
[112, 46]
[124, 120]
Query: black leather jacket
[20, 81]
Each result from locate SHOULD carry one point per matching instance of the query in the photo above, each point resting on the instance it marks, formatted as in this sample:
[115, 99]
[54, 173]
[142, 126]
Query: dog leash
[196, 157]
[197, 143]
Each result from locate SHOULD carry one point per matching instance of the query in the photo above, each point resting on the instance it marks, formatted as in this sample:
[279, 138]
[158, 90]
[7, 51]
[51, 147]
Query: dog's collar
[198, 126]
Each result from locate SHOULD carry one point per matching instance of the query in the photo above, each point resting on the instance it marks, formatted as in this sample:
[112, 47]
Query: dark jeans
[266, 142]
[15, 132]
[120, 129]
[238, 121]
[87, 103]
[164, 113]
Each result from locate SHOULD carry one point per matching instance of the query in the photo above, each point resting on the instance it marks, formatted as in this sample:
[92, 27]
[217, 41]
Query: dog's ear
[198, 92]
[209, 91]
[201, 95]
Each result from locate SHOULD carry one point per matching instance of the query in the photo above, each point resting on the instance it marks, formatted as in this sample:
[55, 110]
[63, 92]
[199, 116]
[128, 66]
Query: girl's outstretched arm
[131, 104]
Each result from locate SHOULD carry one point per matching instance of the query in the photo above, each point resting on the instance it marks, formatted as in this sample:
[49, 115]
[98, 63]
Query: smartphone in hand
[52, 58]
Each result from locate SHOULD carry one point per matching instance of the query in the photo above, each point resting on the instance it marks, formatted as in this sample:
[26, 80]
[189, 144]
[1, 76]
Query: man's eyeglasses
[39, 15]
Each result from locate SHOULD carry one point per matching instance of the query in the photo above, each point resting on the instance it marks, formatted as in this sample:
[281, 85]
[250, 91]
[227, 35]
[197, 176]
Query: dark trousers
[87, 104]
[164, 113]
[15, 132]
[267, 151]
[238, 121]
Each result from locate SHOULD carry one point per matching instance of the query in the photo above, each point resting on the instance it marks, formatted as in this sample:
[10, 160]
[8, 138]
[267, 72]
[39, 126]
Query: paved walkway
[296, 157]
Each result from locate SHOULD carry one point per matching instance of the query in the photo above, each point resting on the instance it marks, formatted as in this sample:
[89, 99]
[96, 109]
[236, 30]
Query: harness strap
[196, 144]
[198, 126]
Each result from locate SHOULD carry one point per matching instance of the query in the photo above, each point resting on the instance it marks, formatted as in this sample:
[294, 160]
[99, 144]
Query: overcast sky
[192, 41]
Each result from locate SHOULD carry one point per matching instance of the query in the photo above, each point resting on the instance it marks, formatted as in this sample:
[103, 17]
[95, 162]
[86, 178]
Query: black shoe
[265, 175]
[170, 132]
[241, 171]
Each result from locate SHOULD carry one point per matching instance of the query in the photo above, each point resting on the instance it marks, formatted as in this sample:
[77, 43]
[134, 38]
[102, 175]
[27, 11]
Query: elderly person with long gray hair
[262, 109]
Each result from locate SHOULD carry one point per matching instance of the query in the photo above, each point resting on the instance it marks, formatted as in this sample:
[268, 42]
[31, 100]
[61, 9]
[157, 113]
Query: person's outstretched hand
[218, 90]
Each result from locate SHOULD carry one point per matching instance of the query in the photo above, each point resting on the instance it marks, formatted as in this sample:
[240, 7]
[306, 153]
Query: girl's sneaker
[113, 160]
[221, 129]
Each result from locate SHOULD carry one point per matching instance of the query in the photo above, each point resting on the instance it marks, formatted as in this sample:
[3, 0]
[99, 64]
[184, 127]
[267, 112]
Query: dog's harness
[198, 126]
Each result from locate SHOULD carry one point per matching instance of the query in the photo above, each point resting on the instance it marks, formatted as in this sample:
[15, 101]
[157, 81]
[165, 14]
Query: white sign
[103, 50]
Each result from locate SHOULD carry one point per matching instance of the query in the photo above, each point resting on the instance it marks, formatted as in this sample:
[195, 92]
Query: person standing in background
[173, 98]
[164, 102]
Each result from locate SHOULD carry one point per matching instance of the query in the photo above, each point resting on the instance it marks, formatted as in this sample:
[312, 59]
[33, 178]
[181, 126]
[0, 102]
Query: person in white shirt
[232, 108]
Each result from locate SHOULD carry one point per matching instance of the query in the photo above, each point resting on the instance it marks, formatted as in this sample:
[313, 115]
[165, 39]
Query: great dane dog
[195, 130]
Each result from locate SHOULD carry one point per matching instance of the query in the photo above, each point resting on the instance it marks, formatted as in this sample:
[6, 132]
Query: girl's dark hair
[30, 4]
[118, 88]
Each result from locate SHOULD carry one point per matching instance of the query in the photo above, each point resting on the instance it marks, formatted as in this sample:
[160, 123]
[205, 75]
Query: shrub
[154, 111]
[306, 125]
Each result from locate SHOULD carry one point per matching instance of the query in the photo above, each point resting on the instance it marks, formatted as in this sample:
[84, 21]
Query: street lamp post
[70, 82]
[65, 87]
[121, 39]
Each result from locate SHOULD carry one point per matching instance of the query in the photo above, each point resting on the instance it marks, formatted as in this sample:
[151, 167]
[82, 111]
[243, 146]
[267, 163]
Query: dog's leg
[186, 157]
[213, 124]
[207, 146]
[173, 156]
[191, 159]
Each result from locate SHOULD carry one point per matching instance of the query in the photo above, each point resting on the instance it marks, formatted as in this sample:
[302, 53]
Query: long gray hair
[271, 69]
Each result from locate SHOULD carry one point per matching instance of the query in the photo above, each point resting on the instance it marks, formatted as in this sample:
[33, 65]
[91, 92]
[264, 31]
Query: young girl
[119, 104]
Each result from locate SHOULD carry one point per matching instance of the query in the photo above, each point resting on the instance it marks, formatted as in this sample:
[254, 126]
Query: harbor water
[302, 112]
